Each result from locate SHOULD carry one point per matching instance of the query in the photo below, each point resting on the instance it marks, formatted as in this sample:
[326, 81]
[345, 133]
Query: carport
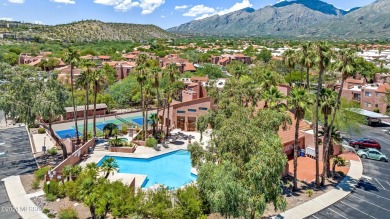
[371, 117]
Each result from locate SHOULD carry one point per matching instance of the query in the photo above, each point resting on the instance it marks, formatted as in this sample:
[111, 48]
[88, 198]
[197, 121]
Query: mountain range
[85, 31]
[297, 18]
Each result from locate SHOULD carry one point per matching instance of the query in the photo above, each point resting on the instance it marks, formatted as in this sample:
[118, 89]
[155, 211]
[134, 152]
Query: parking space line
[380, 184]
[358, 210]
[367, 177]
[374, 194]
[371, 203]
[314, 216]
[337, 213]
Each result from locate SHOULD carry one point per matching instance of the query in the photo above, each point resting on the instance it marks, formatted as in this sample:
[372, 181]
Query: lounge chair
[157, 147]
[165, 145]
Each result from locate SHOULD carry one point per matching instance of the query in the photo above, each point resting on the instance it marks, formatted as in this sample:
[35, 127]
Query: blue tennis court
[101, 126]
[69, 133]
[139, 121]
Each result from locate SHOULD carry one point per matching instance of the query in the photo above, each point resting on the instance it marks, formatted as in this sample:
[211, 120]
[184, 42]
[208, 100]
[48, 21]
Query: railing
[125, 121]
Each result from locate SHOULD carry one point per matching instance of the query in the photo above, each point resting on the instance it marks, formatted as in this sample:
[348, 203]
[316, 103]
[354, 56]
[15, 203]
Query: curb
[343, 189]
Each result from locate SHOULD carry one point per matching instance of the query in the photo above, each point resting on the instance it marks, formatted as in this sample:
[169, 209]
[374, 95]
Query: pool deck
[144, 152]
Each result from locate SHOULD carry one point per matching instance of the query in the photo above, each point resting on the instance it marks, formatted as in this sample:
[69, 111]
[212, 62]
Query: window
[192, 110]
[368, 104]
[181, 111]
[376, 105]
[367, 94]
[377, 94]
[203, 108]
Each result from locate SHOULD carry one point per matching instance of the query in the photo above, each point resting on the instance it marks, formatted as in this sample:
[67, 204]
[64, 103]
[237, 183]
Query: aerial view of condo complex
[194, 109]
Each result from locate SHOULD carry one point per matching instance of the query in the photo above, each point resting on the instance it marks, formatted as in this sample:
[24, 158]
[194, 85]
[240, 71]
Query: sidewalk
[21, 201]
[342, 189]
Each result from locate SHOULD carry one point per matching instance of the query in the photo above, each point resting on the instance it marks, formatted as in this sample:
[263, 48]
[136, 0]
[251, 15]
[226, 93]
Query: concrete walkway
[342, 189]
[21, 201]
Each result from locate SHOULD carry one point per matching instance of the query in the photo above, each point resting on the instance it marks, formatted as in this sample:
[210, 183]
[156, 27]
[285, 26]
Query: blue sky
[163, 13]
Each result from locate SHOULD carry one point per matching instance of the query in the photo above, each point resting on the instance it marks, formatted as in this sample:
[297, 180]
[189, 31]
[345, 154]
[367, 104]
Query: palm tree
[147, 92]
[154, 122]
[141, 78]
[322, 60]
[299, 101]
[289, 60]
[155, 72]
[337, 161]
[335, 138]
[98, 78]
[109, 165]
[72, 57]
[345, 64]
[84, 81]
[67, 171]
[306, 60]
[272, 97]
[172, 71]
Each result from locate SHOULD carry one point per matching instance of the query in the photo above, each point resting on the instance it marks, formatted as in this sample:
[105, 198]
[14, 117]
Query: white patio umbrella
[175, 131]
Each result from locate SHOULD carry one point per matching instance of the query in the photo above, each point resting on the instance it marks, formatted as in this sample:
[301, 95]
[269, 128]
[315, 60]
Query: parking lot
[371, 198]
[15, 159]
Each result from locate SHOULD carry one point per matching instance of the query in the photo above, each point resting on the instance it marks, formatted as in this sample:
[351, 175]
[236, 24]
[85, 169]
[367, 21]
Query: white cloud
[64, 1]
[162, 16]
[181, 7]
[37, 22]
[211, 11]
[17, 1]
[6, 19]
[147, 6]
[236, 7]
[199, 10]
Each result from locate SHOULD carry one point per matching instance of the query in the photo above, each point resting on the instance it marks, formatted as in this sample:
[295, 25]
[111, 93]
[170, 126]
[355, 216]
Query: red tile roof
[288, 135]
[189, 67]
[384, 88]
[355, 81]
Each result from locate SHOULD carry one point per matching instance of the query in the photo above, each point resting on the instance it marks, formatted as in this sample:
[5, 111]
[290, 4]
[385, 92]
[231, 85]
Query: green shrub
[51, 215]
[124, 129]
[41, 173]
[151, 142]
[116, 142]
[67, 213]
[52, 151]
[50, 197]
[41, 131]
[309, 193]
[341, 173]
[45, 211]
[35, 184]
[376, 110]
[71, 190]
[52, 188]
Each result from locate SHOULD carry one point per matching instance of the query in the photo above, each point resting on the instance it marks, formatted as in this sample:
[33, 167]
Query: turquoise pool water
[172, 169]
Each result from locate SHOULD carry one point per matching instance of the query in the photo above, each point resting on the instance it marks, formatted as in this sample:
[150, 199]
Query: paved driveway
[18, 160]
[371, 198]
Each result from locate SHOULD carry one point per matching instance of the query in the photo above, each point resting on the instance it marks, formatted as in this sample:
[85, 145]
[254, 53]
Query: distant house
[369, 96]
[64, 75]
[184, 65]
[123, 68]
[226, 59]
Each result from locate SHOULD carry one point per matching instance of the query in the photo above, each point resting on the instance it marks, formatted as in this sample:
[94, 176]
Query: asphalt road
[371, 198]
[17, 160]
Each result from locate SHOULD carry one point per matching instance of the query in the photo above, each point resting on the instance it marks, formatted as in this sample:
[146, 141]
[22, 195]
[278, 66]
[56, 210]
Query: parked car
[365, 143]
[372, 153]
[359, 139]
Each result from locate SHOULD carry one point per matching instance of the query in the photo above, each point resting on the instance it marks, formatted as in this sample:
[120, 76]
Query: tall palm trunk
[298, 120]
[163, 118]
[325, 153]
[307, 78]
[95, 91]
[168, 121]
[146, 115]
[158, 105]
[73, 103]
[329, 132]
[319, 87]
[86, 118]
[143, 113]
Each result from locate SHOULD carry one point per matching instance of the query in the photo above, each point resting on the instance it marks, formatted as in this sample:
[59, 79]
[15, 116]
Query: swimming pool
[172, 169]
